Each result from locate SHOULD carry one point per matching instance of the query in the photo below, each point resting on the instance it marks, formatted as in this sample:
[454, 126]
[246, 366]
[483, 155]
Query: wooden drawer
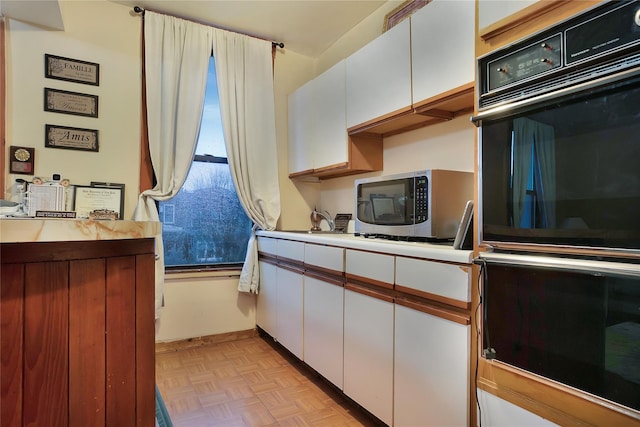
[291, 250]
[325, 257]
[450, 281]
[267, 245]
[378, 268]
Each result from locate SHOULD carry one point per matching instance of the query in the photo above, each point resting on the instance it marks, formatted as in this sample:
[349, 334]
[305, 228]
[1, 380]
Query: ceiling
[307, 27]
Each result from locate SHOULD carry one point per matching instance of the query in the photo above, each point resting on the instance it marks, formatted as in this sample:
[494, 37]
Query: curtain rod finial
[138, 9]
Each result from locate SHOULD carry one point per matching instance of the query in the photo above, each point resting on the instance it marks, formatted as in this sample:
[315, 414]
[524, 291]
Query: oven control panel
[532, 60]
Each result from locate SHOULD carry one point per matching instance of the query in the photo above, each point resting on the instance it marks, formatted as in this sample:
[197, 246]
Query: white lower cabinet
[431, 370]
[289, 310]
[368, 353]
[267, 298]
[323, 328]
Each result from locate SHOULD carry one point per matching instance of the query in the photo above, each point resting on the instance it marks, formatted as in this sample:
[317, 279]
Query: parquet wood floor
[250, 382]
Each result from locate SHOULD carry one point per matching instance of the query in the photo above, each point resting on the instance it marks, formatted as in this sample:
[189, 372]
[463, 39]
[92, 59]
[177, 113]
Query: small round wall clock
[21, 160]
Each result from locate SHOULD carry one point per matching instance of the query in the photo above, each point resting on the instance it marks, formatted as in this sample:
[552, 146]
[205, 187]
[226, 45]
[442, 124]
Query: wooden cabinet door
[301, 122]
[442, 57]
[431, 366]
[323, 327]
[449, 281]
[267, 299]
[368, 353]
[330, 141]
[289, 316]
[379, 76]
[492, 11]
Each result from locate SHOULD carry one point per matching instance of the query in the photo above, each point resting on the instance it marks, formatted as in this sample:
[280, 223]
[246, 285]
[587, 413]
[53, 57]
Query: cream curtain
[177, 56]
[245, 86]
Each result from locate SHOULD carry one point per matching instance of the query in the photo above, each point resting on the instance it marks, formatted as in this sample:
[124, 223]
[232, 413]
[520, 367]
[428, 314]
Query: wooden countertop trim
[64, 251]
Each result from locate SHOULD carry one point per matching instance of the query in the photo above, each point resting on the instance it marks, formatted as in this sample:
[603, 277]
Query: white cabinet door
[300, 105]
[330, 141]
[368, 353]
[492, 11]
[323, 328]
[377, 267]
[266, 308]
[442, 58]
[289, 316]
[446, 280]
[431, 383]
[326, 257]
[379, 76]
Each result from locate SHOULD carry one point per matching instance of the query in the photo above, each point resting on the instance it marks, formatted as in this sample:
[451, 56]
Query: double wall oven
[559, 202]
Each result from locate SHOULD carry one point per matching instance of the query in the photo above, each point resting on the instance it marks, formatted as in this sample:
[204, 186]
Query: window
[205, 224]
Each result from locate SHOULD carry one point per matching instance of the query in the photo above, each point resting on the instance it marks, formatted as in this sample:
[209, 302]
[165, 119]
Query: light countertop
[19, 230]
[440, 252]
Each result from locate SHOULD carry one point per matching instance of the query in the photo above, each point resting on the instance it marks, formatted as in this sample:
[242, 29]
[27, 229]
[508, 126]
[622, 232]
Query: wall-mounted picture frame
[71, 70]
[89, 199]
[71, 138]
[22, 160]
[402, 12]
[62, 101]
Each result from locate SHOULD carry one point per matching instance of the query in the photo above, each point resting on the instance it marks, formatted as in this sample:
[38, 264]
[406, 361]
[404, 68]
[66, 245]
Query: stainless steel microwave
[425, 204]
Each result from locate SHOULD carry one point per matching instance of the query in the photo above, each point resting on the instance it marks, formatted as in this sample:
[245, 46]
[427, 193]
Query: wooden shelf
[441, 108]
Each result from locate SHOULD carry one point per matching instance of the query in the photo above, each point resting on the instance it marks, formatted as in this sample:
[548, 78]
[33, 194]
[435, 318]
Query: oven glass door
[565, 171]
[580, 328]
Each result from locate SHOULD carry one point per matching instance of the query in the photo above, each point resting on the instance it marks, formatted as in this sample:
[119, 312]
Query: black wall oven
[559, 202]
[559, 120]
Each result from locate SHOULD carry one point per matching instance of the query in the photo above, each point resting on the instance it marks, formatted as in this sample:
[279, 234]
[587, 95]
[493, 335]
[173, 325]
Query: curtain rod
[138, 9]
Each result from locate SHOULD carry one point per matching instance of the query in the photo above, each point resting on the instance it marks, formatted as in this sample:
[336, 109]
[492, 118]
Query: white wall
[96, 31]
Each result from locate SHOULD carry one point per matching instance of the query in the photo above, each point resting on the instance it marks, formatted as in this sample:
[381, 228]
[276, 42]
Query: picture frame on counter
[99, 184]
[71, 138]
[90, 199]
[71, 70]
[65, 102]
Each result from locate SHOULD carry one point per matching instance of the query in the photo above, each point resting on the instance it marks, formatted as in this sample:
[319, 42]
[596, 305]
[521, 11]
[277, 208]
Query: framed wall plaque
[71, 70]
[62, 101]
[71, 138]
[21, 160]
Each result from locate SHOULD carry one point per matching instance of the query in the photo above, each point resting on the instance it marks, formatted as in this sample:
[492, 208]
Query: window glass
[205, 224]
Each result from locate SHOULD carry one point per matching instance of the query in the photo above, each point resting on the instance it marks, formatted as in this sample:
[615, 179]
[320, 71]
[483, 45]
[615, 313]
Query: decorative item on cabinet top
[402, 12]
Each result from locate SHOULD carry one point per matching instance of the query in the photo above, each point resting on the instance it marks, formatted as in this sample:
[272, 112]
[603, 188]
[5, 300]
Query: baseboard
[189, 343]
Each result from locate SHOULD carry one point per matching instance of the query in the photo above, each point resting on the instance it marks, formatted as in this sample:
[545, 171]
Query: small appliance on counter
[421, 206]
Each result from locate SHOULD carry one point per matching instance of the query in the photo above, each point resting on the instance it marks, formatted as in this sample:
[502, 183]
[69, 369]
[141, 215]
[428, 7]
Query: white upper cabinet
[300, 128]
[379, 76]
[492, 11]
[442, 47]
[330, 145]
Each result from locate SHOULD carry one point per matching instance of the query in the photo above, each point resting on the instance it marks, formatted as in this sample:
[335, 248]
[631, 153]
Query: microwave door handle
[565, 264]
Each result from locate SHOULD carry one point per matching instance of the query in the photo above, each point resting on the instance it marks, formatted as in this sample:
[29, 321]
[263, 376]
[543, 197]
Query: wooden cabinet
[368, 331]
[432, 343]
[431, 370]
[318, 142]
[492, 11]
[78, 334]
[301, 123]
[442, 60]
[379, 77]
[280, 298]
[323, 311]
[368, 352]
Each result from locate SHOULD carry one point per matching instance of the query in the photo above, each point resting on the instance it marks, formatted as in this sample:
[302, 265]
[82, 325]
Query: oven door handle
[516, 106]
[597, 268]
